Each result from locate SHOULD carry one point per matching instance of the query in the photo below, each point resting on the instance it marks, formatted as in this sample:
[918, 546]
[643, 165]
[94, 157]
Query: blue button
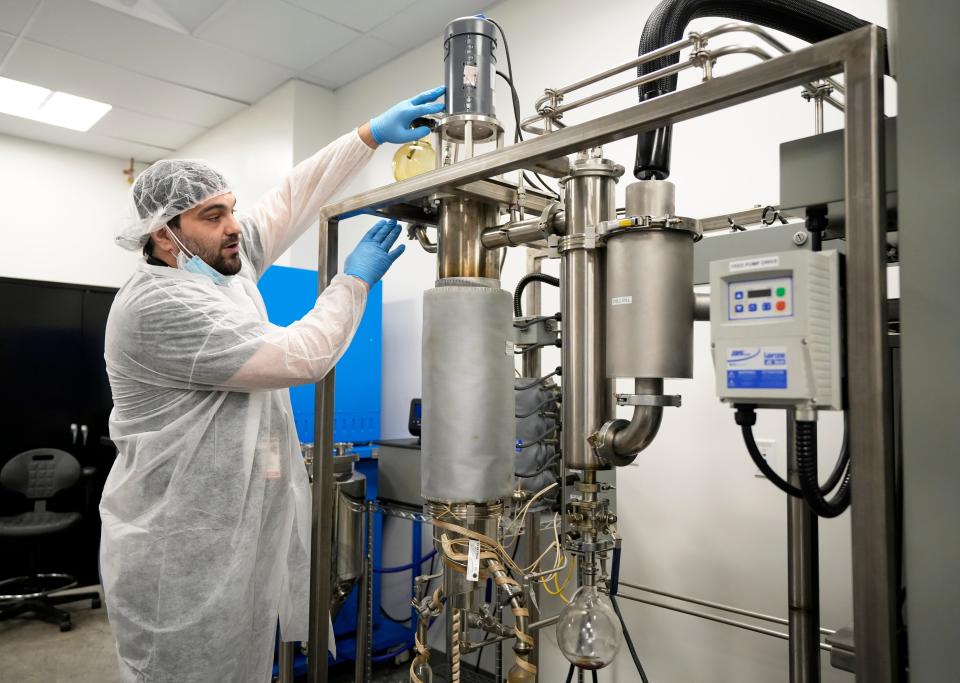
[738, 295]
[752, 307]
[766, 306]
[738, 308]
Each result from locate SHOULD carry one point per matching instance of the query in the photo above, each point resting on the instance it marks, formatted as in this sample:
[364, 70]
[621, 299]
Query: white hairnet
[165, 190]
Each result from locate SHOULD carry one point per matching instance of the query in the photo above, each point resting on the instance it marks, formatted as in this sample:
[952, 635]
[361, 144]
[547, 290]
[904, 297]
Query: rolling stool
[39, 474]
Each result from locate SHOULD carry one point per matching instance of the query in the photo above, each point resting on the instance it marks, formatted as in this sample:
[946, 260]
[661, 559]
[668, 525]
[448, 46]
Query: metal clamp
[608, 229]
[588, 239]
[666, 400]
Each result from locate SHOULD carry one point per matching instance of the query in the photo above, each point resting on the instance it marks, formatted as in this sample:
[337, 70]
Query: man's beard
[216, 259]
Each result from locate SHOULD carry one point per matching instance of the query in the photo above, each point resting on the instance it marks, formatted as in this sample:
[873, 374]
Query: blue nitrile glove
[371, 258]
[393, 125]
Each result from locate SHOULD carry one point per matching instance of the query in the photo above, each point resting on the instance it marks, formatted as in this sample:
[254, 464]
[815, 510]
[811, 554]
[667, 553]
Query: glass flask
[413, 159]
[518, 674]
[588, 631]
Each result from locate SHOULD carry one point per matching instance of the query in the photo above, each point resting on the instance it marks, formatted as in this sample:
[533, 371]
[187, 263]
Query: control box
[776, 329]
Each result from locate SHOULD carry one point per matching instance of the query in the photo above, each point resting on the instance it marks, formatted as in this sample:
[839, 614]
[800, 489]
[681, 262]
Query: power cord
[517, 134]
[806, 448]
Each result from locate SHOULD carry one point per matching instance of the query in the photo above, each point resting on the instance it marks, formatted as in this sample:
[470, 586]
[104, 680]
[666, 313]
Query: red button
[781, 305]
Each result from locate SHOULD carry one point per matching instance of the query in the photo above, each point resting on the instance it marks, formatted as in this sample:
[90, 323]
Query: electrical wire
[626, 636]
[535, 320]
[384, 612]
[746, 417]
[540, 470]
[541, 380]
[806, 440]
[540, 437]
[508, 77]
[534, 347]
[536, 409]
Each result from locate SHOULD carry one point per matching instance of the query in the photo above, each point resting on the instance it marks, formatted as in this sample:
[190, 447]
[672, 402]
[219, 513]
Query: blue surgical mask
[195, 264]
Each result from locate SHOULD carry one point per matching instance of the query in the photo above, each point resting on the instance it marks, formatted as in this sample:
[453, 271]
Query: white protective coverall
[206, 511]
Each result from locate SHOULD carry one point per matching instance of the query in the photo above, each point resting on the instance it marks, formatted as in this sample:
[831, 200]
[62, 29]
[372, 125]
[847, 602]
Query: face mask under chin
[194, 264]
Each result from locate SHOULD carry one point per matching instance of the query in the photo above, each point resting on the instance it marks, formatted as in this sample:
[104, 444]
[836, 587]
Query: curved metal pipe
[643, 426]
[618, 442]
[418, 231]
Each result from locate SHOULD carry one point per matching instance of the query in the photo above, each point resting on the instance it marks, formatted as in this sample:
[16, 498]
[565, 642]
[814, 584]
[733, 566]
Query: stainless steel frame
[860, 55]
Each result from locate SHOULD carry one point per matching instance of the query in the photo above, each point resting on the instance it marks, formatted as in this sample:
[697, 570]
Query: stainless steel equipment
[587, 394]
[649, 300]
[587, 426]
[346, 563]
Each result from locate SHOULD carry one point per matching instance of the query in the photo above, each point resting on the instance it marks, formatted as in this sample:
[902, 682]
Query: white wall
[59, 210]
[695, 519]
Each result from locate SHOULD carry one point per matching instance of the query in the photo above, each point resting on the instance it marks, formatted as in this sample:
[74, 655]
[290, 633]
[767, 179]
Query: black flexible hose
[526, 280]
[626, 636]
[808, 20]
[746, 417]
[593, 675]
[806, 440]
[540, 470]
[540, 380]
[570, 673]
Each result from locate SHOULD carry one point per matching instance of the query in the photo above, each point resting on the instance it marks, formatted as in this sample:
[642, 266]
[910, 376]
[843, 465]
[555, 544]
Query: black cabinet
[56, 394]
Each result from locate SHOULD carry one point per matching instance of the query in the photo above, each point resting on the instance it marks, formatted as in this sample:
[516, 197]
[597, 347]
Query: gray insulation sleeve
[469, 430]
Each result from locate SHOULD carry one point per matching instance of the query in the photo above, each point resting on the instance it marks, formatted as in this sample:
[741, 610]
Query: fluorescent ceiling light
[56, 108]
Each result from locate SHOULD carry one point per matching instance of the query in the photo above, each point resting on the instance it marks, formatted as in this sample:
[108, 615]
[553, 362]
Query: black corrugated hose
[746, 417]
[808, 20]
[526, 280]
[806, 434]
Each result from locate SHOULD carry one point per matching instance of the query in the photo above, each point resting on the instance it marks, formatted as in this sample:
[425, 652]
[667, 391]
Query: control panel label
[757, 367]
[754, 263]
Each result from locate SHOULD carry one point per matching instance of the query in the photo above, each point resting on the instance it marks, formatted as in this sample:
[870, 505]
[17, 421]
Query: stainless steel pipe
[803, 575]
[460, 251]
[645, 423]
[590, 200]
[522, 232]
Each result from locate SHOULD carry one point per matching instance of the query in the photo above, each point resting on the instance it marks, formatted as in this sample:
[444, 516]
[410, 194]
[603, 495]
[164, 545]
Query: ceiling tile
[14, 14]
[94, 31]
[362, 15]
[352, 61]
[100, 144]
[59, 70]
[143, 128]
[5, 43]
[277, 32]
[425, 20]
[190, 13]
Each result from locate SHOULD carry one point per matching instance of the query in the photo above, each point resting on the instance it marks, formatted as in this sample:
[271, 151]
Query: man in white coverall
[206, 512]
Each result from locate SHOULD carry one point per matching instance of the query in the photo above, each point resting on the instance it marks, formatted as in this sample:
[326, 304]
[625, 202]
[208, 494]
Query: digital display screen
[757, 293]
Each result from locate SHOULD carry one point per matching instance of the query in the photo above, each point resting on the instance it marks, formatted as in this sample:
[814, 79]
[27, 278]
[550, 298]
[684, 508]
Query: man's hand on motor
[394, 124]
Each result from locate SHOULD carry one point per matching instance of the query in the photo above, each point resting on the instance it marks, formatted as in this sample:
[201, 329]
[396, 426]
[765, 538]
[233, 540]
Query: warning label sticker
[758, 367]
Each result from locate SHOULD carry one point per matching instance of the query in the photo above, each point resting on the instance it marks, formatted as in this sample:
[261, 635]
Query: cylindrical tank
[649, 330]
[460, 253]
[468, 423]
[590, 200]
[346, 565]
[470, 65]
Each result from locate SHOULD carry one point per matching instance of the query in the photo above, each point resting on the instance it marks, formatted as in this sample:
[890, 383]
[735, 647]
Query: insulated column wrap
[469, 428]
